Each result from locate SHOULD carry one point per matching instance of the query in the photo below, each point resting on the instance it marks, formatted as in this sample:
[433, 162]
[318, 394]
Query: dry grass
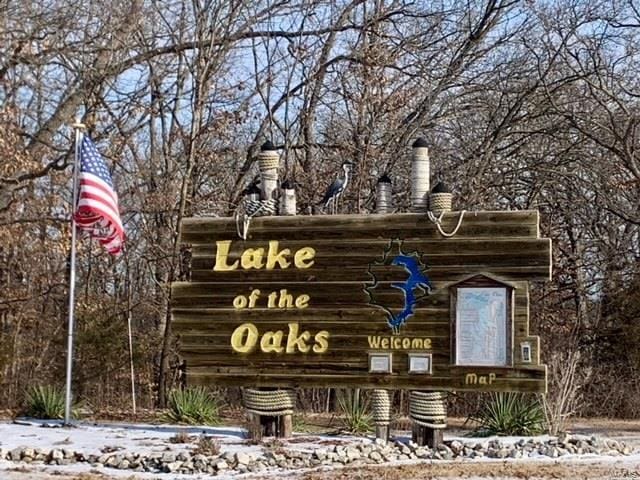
[181, 437]
[207, 446]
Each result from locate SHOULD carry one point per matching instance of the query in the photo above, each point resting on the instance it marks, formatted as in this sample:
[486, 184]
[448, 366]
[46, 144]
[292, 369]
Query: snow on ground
[92, 438]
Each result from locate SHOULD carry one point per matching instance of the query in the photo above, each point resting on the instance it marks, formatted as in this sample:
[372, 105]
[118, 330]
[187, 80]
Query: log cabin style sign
[379, 301]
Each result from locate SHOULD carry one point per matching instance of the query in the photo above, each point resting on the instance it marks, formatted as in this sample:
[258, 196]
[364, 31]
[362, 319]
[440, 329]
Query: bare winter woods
[525, 104]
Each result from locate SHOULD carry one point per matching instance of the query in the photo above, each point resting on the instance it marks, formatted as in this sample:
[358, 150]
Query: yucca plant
[45, 401]
[355, 411]
[194, 406]
[509, 414]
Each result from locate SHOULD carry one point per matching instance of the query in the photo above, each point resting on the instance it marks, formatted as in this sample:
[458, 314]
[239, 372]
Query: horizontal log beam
[522, 224]
[374, 247]
[531, 381]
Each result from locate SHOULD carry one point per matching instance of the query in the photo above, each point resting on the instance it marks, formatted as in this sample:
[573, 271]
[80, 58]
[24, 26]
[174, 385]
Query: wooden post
[280, 426]
[381, 406]
[285, 426]
[428, 412]
[254, 429]
[420, 176]
[432, 437]
[382, 432]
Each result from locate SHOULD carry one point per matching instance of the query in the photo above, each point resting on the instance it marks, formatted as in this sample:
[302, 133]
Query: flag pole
[133, 377]
[79, 127]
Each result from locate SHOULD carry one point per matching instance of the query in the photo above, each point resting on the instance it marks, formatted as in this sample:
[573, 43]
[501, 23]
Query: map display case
[482, 319]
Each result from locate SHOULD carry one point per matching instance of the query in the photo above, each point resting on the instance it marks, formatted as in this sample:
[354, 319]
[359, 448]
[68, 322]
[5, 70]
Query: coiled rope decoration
[440, 202]
[428, 409]
[261, 208]
[269, 402]
[252, 208]
[381, 406]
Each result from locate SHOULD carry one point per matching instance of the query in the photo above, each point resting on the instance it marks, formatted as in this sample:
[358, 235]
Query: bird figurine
[337, 188]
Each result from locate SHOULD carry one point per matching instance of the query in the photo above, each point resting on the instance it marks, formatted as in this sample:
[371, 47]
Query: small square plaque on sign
[420, 363]
[380, 362]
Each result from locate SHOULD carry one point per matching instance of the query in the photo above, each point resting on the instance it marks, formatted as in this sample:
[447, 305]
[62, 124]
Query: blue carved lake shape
[416, 280]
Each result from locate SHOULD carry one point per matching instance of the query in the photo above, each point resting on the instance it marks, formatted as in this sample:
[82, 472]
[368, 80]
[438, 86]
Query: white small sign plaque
[420, 363]
[380, 362]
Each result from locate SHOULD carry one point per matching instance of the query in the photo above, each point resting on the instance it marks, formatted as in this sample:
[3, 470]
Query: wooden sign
[369, 301]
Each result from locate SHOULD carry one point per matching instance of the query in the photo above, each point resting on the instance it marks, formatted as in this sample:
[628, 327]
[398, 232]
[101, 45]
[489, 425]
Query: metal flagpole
[133, 378]
[72, 276]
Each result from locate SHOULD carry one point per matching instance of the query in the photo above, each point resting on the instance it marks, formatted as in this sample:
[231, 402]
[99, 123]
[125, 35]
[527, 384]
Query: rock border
[280, 455]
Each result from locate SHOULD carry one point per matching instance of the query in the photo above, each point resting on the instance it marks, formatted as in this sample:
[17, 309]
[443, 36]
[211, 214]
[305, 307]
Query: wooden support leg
[254, 427]
[270, 426]
[285, 426]
[271, 403]
[432, 437]
[382, 432]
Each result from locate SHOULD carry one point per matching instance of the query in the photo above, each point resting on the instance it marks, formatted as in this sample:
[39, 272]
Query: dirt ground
[494, 471]
[475, 471]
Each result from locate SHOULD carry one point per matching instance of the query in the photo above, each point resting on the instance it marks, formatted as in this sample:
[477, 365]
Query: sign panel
[349, 300]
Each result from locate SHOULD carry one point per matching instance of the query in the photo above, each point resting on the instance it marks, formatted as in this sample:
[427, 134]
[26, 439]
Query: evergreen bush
[509, 414]
[355, 411]
[194, 406]
[45, 402]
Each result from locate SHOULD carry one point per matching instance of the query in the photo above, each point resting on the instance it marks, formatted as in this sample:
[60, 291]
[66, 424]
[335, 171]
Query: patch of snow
[92, 438]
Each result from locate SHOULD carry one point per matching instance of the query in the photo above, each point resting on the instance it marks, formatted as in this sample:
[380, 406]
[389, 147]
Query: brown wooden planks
[342, 260]
[347, 247]
[406, 225]
[524, 380]
[374, 247]
[319, 275]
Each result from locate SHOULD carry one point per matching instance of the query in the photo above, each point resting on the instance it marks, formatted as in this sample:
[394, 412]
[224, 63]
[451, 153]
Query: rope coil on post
[261, 208]
[252, 208]
[381, 407]
[269, 402]
[428, 409]
[440, 202]
[269, 161]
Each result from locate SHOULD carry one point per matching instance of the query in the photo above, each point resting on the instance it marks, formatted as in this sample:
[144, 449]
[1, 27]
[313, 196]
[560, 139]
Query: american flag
[97, 209]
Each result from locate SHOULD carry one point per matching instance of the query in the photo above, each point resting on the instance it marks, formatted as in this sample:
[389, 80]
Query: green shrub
[509, 414]
[45, 402]
[194, 406]
[355, 411]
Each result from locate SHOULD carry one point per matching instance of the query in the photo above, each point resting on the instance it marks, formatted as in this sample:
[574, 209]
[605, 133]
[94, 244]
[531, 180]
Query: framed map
[482, 326]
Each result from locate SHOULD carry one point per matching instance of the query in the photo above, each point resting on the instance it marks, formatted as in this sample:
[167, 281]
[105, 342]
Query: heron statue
[337, 188]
